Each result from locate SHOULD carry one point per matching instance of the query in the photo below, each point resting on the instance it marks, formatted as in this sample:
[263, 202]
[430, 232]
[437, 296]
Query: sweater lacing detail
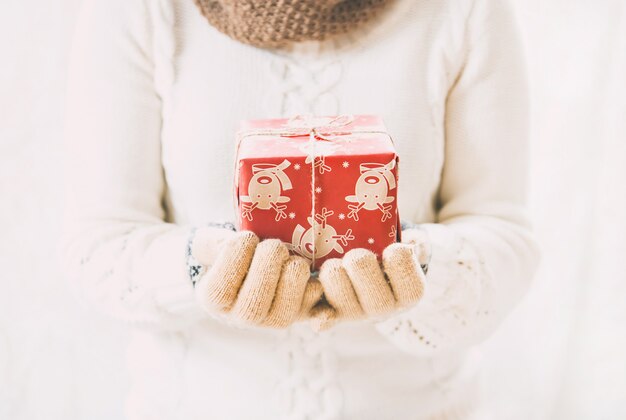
[304, 87]
[310, 389]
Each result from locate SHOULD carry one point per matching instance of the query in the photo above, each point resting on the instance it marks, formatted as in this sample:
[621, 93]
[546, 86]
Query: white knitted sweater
[155, 96]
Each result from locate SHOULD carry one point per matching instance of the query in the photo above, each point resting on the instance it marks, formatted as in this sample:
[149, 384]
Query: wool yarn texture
[279, 23]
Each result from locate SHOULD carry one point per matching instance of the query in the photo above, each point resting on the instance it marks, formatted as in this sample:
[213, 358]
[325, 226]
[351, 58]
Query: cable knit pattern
[304, 85]
[155, 96]
[310, 390]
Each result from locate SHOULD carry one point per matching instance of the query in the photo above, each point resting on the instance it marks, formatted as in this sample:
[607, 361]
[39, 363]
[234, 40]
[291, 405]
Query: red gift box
[329, 178]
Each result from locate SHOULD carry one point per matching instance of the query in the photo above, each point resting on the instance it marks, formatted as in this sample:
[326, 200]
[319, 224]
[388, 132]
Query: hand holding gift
[252, 281]
[327, 187]
[357, 287]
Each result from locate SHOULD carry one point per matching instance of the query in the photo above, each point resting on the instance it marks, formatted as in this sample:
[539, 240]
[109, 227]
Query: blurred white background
[561, 354]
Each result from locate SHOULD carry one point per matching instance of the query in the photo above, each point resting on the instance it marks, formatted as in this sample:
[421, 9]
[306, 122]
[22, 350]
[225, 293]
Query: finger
[258, 289]
[405, 276]
[208, 243]
[338, 289]
[322, 317]
[218, 288]
[420, 238]
[368, 281]
[289, 293]
[312, 295]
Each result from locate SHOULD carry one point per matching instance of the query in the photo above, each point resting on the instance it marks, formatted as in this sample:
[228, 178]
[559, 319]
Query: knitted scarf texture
[279, 23]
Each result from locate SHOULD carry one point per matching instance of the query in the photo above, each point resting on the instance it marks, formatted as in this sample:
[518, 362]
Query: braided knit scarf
[278, 23]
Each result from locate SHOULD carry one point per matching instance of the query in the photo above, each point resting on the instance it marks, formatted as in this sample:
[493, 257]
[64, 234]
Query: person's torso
[401, 70]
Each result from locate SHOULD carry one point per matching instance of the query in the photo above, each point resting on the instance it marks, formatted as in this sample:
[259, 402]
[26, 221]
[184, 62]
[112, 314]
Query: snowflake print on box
[323, 186]
[265, 188]
[320, 239]
[372, 189]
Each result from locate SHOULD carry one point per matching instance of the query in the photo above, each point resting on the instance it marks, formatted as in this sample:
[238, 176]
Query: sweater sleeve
[118, 253]
[483, 253]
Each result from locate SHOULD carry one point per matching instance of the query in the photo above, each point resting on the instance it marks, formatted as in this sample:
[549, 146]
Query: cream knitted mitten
[256, 282]
[356, 286]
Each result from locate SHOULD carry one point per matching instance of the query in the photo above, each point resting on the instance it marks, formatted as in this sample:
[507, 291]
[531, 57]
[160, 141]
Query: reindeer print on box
[320, 239]
[264, 190]
[372, 190]
[322, 185]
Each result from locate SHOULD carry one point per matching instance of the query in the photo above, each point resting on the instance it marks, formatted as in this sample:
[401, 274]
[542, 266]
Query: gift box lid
[288, 137]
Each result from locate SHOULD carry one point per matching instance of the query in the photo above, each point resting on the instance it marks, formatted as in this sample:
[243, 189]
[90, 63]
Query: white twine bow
[305, 125]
